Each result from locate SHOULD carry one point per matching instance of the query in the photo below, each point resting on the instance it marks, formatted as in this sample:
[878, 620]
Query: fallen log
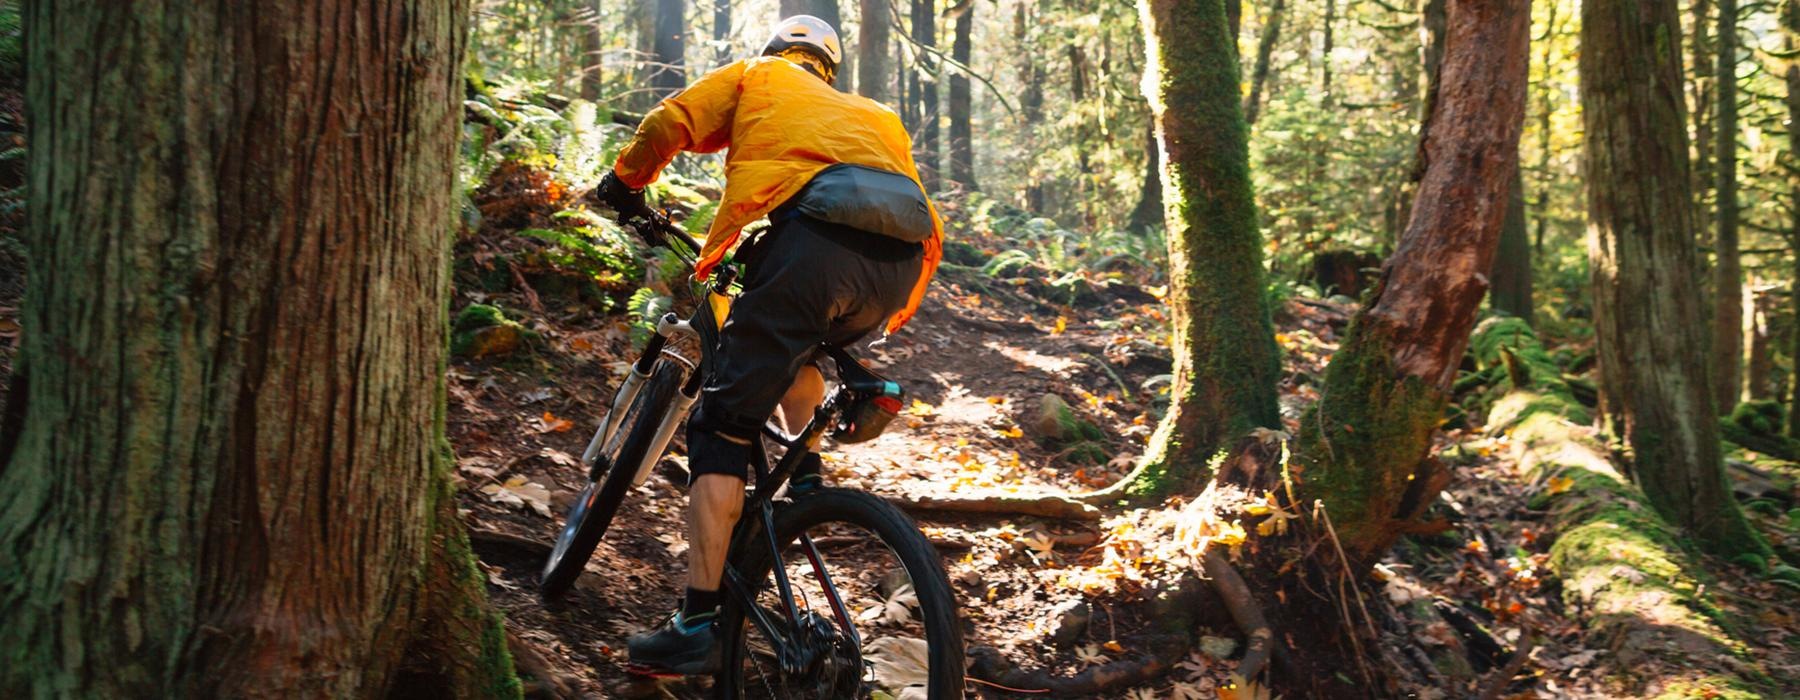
[1043, 506]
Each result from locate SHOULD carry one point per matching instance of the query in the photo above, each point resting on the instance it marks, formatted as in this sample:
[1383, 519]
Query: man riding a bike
[853, 243]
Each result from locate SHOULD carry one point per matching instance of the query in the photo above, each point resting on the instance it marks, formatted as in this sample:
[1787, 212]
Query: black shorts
[812, 282]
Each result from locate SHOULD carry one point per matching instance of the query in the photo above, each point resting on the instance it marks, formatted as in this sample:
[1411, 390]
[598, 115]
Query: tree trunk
[721, 30]
[1728, 274]
[590, 53]
[1790, 26]
[1700, 84]
[1512, 264]
[1545, 91]
[962, 145]
[1031, 99]
[1226, 362]
[1265, 48]
[1759, 366]
[1325, 54]
[925, 93]
[873, 36]
[232, 479]
[1234, 17]
[1363, 449]
[669, 48]
[1655, 391]
[1148, 214]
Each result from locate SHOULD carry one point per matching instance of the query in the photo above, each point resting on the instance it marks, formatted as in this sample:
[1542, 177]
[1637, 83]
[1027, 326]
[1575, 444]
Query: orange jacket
[783, 125]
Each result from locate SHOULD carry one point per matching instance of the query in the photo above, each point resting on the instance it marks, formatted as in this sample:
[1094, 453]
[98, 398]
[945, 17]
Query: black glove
[628, 203]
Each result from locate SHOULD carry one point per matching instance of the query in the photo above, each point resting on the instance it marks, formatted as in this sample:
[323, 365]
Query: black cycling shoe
[687, 646]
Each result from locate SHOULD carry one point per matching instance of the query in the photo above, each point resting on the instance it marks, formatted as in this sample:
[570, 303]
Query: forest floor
[980, 363]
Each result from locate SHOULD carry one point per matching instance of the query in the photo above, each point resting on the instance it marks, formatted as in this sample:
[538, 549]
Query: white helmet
[806, 32]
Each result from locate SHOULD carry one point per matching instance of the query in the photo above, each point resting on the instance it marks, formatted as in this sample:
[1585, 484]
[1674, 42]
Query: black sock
[699, 603]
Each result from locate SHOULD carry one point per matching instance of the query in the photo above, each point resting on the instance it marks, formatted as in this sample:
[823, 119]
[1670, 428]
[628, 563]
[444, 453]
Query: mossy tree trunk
[1728, 272]
[1512, 263]
[1226, 362]
[1148, 214]
[232, 479]
[1655, 388]
[1363, 448]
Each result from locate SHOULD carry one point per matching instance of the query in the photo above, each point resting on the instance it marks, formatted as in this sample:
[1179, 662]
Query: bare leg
[716, 501]
[802, 398]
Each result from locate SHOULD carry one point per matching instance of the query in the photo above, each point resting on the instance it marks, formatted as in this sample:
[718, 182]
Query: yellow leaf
[1114, 647]
[1013, 432]
[1062, 324]
[1559, 484]
[920, 408]
[996, 400]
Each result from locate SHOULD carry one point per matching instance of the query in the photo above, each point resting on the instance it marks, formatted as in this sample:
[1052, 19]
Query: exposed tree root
[1164, 652]
[1244, 611]
[546, 679]
[1046, 506]
[495, 537]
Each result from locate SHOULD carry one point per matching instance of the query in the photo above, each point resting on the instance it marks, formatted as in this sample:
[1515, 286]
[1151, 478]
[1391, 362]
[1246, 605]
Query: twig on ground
[531, 660]
[1124, 390]
[1163, 652]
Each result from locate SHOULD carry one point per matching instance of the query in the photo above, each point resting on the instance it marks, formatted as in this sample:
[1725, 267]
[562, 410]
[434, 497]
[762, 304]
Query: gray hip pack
[869, 199]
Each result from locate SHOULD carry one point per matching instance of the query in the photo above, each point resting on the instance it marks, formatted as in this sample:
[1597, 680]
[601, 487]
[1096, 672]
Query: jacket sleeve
[696, 119]
[934, 246]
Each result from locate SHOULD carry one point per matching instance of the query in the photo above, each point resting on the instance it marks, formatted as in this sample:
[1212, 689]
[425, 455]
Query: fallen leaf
[1062, 324]
[1558, 484]
[519, 492]
[549, 423]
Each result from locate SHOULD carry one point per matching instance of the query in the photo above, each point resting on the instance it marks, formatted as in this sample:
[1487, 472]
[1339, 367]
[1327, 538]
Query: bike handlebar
[656, 230]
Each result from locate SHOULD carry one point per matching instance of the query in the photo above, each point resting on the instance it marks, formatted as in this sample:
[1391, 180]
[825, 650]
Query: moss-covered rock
[481, 330]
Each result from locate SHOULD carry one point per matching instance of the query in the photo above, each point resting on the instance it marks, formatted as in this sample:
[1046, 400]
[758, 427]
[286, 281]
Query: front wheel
[891, 625]
[615, 467]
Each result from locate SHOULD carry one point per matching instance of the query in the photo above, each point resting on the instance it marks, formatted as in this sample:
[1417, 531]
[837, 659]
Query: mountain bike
[791, 625]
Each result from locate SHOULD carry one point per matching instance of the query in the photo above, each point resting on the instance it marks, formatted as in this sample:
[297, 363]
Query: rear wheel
[892, 626]
[614, 468]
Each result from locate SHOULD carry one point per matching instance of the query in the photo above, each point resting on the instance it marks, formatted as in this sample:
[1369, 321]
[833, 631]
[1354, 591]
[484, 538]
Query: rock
[1051, 419]
[481, 330]
[1218, 647]
[1068, 622]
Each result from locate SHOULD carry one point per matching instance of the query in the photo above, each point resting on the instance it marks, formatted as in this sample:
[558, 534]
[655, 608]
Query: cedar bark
[962, 138]
[1226, 362]
[1512, 263]
[1265, 48]
[232, 479]
[669, 48]
[1363, 449]
[1655, 389]
[873, 36]
[1728, 273]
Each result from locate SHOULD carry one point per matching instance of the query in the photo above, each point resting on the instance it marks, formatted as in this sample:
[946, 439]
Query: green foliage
[12, 40]
[645, 308]
[1761, 417]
